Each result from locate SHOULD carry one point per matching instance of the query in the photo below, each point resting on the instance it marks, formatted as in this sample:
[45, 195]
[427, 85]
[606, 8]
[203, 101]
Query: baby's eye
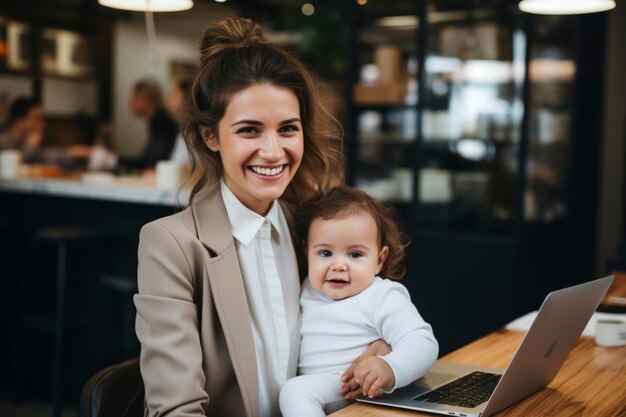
[324, 253]
[355, 255]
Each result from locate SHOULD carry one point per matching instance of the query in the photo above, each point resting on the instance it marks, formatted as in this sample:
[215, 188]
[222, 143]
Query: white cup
[10, 161]
[168, 174]
[610, 333]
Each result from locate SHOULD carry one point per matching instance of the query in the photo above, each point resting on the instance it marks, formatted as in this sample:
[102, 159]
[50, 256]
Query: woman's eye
[325, 253]
[247, 130]
[289, 129]
[355, 255]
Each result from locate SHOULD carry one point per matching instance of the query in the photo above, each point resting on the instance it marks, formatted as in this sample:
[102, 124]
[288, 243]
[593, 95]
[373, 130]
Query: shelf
[384, 138]
[13, 73]
[83, 78]
[384, 107]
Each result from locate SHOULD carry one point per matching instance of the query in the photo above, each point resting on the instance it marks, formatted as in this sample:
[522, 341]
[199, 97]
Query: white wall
[69, 97]
[178, 36]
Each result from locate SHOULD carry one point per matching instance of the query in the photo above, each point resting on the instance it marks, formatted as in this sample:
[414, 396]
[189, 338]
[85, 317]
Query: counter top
[96, 186]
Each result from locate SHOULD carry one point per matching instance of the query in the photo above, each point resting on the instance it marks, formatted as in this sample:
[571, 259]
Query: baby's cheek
[315, 275]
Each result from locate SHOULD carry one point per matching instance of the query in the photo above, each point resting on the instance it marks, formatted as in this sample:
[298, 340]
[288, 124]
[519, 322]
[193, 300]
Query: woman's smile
[269, 173]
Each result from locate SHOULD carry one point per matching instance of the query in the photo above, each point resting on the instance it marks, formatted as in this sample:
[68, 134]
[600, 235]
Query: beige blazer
[193, 320]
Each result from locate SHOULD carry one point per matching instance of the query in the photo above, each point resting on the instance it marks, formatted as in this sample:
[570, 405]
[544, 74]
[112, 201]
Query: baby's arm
[414, 347]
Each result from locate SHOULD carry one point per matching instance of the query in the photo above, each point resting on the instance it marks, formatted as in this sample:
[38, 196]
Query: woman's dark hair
[340, 202]
[236, 55]
[20, 108]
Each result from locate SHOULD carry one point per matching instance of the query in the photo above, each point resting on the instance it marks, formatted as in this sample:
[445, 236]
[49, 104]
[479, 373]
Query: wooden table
[592, 381]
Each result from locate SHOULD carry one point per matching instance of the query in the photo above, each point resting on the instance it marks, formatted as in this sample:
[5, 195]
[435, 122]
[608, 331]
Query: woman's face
[260, 143]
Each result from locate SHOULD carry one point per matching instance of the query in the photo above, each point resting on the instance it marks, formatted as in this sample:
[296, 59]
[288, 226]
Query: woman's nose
[271, 148]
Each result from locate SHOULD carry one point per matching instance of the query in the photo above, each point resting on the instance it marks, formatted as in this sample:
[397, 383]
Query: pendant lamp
[149, 5]
[565, 7]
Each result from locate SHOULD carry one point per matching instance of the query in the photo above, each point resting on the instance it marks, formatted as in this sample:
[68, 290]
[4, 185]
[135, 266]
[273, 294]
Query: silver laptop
[463, 390]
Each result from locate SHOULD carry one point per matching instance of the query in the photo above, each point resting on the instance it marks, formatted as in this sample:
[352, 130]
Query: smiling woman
[258, 88]
[217, 310]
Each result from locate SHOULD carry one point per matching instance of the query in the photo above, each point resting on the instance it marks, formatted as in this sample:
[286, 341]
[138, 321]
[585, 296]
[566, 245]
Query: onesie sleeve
[414, 347]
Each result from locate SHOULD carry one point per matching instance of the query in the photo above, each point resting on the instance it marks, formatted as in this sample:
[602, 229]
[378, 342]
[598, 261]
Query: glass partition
[385, 100]
[472, 117]
[552, 72]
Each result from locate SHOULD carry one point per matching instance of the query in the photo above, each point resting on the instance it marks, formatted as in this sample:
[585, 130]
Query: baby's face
[343, 254]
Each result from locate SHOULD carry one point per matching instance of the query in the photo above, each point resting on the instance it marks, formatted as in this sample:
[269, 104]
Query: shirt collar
[245, 223]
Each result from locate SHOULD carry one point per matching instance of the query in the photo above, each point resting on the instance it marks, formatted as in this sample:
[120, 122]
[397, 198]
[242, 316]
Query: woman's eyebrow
[295, 119]
[247, 122]
[258, 123]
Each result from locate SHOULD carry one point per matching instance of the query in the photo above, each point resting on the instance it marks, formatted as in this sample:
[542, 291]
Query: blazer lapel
[229, 295]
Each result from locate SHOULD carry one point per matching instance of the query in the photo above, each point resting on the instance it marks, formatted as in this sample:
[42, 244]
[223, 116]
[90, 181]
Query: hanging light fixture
[555, 7]
[149, 5]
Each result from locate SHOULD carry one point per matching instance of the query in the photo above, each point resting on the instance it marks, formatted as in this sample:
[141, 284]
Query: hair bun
[234, 32]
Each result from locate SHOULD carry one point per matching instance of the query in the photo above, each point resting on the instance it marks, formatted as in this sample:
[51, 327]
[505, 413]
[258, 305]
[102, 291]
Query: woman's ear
[209, 139]
[382, 257]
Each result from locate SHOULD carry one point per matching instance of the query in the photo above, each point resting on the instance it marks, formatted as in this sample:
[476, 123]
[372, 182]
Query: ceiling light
[149, 5]
[565, 6]
[308, 9]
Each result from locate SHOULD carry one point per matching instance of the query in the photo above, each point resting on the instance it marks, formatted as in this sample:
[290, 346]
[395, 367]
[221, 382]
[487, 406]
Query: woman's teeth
[268, 171]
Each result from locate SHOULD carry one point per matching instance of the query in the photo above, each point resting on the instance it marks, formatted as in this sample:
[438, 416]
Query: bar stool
[65, 240]
[13, 246]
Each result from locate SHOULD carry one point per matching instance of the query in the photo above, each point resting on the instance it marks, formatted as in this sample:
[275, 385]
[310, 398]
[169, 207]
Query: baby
[352, 242]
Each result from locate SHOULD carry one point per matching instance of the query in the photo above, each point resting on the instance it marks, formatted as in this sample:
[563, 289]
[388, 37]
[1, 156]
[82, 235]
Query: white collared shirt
[267, 259]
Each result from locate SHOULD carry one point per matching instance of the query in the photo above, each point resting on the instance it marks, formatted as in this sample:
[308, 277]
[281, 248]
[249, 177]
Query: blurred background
[499, 136]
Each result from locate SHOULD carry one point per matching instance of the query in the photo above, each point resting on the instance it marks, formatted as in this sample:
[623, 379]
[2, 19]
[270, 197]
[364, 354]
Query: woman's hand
[351, 388]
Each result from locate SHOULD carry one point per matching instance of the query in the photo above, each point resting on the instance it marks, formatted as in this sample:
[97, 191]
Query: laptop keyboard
[469, 391]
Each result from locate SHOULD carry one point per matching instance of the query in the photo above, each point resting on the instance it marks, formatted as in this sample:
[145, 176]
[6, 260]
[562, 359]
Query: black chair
[116, 391]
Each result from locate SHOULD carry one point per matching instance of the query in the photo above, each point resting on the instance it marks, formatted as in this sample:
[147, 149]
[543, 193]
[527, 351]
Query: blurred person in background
[174, 103]
[146, 103]
[25, 128]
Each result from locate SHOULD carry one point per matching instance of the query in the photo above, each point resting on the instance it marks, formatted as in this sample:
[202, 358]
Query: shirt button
[265, 230]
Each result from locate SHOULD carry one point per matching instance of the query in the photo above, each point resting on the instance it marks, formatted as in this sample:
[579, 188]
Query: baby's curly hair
[340, 202]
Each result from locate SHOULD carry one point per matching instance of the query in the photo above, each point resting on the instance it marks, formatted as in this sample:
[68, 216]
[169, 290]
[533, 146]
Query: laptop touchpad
[430, 381]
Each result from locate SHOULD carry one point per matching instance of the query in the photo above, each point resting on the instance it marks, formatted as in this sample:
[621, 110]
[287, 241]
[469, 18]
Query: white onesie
[335, 332]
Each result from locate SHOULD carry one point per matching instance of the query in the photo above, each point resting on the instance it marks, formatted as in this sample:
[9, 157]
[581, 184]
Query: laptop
[464, 390]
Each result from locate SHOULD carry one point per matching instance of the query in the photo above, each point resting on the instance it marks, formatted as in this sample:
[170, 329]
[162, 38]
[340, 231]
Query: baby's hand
[373, 374]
